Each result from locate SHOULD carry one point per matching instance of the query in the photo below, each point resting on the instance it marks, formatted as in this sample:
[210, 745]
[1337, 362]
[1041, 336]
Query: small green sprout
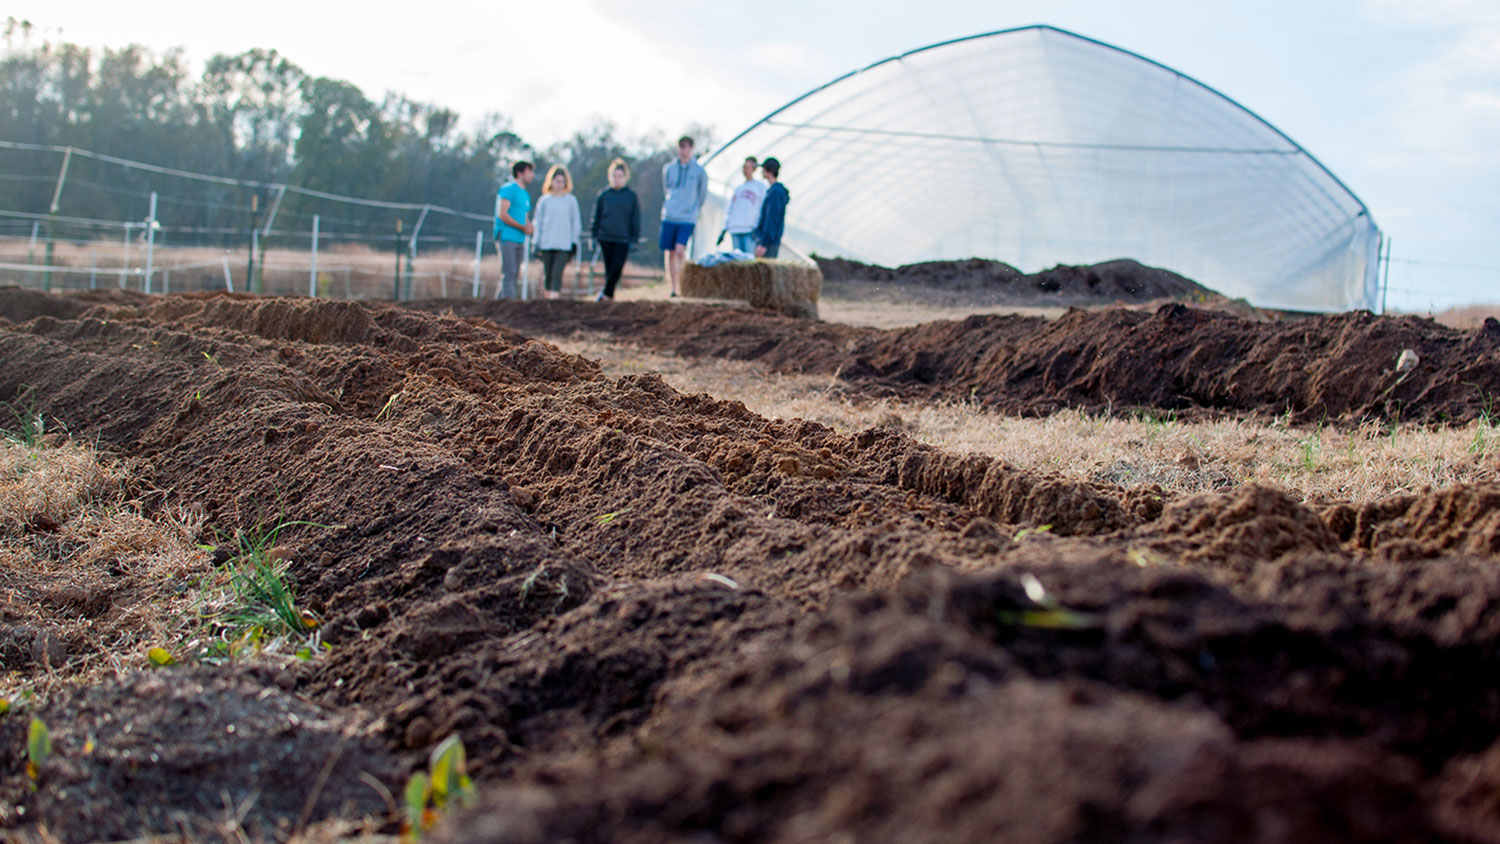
[38, 748]
[535, 578]
[1046, 613]
[389, 409]
[1025, 532]
[1144, 558]
[446, 781]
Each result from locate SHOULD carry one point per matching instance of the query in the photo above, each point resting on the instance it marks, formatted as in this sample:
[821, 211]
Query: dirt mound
[762, 750]
[655, 616]
[980, 281]
[1463, 519]
[191, 752]
[19, 304]
[1338, 368]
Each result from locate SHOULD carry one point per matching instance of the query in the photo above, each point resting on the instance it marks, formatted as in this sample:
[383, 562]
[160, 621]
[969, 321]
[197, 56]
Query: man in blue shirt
[512, 205]
[772, 212]
[684, 186]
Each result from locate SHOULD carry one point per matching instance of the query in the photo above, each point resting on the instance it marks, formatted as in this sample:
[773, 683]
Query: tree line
[258, 116]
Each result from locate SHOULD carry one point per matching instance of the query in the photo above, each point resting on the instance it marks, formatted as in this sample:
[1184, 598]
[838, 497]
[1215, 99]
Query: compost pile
[653, 616]
[979, 281]
[1195, 362]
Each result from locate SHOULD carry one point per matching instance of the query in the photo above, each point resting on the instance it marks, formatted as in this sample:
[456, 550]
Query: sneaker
[602, 298]
[674, 294]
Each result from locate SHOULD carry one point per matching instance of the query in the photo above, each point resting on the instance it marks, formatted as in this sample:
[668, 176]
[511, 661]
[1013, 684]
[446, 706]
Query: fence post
[411, 258]
[593, 263]
[396, 290]
[312, 274]
[150, 240]
[62, 177]
[525, 264]
[1385, 284]
[31, 250]
[228, 282]
[254, 237]
[93, 269]
[253, 281]
[125, 262]
[47, 274]
[166, 279]
[478, 257]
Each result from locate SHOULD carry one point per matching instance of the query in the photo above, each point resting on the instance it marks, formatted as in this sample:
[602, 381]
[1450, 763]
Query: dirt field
[653, 615]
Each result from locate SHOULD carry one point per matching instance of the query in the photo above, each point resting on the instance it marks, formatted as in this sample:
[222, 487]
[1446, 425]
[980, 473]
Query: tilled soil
[654, 616]
[1190, 361]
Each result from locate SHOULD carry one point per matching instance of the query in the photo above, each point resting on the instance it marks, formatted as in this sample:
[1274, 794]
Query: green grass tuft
[26, 425]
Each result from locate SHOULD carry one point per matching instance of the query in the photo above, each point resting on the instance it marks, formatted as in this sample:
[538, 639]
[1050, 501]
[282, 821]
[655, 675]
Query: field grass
[346, 271]
[1467, 317]
[866, 313]
[93, 576]
[1319, 465]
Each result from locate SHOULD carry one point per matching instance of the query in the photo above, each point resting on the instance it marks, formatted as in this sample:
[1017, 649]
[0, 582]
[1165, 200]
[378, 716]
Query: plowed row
[654, 616]
[1195, 362]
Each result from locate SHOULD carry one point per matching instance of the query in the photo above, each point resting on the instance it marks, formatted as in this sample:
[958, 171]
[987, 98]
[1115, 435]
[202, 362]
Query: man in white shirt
[743, 212]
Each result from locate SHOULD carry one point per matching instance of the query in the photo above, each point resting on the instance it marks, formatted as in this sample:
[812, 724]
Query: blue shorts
[674, 235]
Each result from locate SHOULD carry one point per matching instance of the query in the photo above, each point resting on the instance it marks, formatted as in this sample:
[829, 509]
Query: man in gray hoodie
[684, 186]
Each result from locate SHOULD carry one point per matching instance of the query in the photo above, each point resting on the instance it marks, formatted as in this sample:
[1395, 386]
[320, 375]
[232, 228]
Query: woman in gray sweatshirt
[558, 227]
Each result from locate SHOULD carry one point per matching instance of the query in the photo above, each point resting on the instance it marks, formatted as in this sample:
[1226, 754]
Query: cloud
[1445, 101]
[1433, 146]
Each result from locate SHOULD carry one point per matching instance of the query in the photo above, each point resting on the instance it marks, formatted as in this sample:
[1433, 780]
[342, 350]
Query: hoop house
[1037, 146]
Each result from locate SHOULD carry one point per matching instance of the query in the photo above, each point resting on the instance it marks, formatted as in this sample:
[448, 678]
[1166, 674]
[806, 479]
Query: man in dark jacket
[617, 224]
[772, 211]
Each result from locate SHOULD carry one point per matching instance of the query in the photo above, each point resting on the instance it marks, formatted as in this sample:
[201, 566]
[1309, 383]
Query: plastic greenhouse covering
[1039, 147]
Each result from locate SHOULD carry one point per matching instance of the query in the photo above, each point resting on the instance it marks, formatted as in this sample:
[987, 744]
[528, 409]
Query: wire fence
[72, 218]
[106, 221]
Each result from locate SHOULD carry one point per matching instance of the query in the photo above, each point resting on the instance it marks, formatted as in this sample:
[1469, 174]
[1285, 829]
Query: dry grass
[885, 315]
[345, 271]
[1319, 465]
[866, 313]
[1468, 317]
[90, 579]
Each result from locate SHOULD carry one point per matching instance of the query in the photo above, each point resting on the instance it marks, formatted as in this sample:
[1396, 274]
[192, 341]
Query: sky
[1401, 100]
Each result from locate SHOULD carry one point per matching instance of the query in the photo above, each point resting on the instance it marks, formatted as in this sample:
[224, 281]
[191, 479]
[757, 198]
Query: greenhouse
[1037, 147]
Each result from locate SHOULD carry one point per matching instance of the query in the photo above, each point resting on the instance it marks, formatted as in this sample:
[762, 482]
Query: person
[684, 186]
[772, 211]
[558, 227]
[743, 211]
[512, 206]
[617, 224]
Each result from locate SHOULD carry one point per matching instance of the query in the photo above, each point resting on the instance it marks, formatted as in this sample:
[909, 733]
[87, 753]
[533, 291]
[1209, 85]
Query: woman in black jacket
[617, 224]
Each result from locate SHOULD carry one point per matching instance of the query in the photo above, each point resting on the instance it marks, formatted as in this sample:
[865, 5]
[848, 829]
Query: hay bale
[788, 288]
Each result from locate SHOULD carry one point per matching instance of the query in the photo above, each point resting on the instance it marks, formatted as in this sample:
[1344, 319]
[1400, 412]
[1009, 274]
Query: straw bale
[786, 287]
